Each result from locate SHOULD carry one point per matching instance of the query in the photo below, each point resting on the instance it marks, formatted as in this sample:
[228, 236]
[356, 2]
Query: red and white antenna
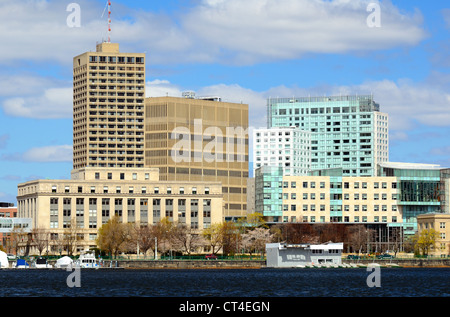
[109, 21]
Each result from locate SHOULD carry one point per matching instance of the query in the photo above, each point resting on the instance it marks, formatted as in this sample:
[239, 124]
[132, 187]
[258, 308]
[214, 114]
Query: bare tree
[186, 239]
[145, 238]
[40, 239]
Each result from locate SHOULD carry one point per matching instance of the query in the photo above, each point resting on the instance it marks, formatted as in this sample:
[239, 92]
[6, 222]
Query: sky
[243, 51]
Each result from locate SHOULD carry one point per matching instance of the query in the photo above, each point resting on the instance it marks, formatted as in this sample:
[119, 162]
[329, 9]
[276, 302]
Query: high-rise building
[289, 148]
[346, 131]
[200, 139]
[108, 108]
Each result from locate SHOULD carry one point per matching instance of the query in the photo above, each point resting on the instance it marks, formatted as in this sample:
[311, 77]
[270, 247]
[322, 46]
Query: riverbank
[257, 264]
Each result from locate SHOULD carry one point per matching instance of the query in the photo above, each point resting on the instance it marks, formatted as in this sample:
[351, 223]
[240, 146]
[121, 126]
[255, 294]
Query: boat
[41, 263]
[63, 262]
[4, 263]
[86, 260]
[22, 264]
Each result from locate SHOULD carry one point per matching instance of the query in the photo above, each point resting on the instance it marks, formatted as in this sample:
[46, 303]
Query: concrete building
[298, 255]
[94, 195]
[108, 108]
[396, 197]
[289, 148]
[200, 139]
[441, 223]
[347, 132]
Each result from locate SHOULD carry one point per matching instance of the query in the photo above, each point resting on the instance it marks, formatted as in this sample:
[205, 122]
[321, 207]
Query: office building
[396, 197]
[94, 195]
[347, 132]
[108, 108]
[441, 223]
[200, 139]
[289, 148]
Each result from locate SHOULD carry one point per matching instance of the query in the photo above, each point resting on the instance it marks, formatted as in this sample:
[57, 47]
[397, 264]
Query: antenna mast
[109, 21]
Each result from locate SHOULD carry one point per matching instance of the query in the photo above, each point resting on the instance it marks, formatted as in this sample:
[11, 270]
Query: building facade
[289, 148]
[301, 255]
[396, 197]
[94, 195]
[347, 132]
[200, 139]
[441, 223]
[108, 108]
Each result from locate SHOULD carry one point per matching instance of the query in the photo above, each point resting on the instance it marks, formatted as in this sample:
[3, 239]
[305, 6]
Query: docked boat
[63, 262]
[22, 264]
[41, 263]
[4, 263]
[86, 260]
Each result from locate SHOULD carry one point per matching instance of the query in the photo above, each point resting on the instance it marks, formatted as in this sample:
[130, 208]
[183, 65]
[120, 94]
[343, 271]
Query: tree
[254, 220]
[145, 238]
[70, 236]
[113, 235]
[40, 239]
[163, 231]
[214, 237]
[425, 240]
[255, 240]
[186, 239]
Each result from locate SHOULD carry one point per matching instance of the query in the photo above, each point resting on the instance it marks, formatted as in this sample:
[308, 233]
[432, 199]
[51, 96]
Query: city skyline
[216, 47]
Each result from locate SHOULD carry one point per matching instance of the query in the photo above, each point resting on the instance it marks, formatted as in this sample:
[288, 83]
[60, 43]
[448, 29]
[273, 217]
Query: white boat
[63, 262]
[86, 260]
[4, 263]
[41, 264]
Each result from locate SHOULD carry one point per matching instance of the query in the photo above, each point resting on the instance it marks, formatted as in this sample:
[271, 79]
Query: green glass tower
[347, 132]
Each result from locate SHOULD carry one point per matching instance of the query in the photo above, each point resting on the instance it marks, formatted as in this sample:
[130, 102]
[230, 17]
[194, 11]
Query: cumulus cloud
[407, 103]
[53, 153]
[53, 103]
[255, 30]
[231, 31]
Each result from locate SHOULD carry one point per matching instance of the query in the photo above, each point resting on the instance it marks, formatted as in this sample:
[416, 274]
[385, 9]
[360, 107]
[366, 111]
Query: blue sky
[241, 50]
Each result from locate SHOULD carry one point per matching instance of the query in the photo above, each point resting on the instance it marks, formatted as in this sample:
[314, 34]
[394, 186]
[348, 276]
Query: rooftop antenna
[108, 5]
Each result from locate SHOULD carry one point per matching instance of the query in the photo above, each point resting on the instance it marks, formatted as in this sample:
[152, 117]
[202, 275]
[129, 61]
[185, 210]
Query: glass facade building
[423, 188]
[346, 131]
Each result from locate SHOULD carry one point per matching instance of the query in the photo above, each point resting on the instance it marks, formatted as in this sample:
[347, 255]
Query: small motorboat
[86, 261]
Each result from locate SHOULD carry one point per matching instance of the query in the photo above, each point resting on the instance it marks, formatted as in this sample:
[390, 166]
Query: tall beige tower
[200, 139]
[108, 108]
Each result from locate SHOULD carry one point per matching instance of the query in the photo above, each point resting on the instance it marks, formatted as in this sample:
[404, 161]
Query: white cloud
[54, 103]
[405, 102]
[58, 153]
[254, 30]
[52, 153]
[232, 31]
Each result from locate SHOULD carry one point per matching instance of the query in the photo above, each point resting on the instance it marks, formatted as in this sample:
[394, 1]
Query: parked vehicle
[210, 257]
[385, 256]
[353, 257]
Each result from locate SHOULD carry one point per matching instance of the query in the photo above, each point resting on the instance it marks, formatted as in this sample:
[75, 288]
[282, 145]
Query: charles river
[302, 282]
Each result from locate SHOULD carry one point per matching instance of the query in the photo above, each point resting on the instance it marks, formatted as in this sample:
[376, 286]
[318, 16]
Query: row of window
[346, 185]
[363, 208]
[345, 219]
[131, 190]
[322, 196]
